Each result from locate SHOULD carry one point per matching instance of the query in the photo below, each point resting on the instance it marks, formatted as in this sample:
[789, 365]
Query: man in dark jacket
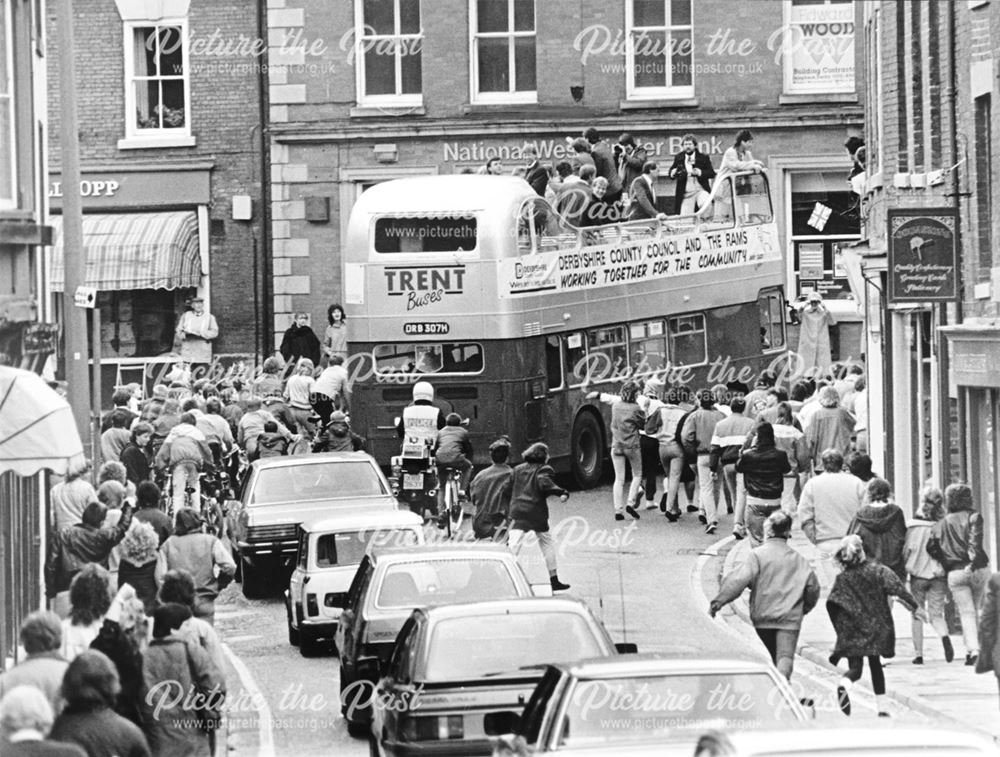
[75, 546]
[120, 399]
[643, 195]
[535, 173]
[631, 159]
[490, 491]
[693, 172]
[763, 467]
[300, 341]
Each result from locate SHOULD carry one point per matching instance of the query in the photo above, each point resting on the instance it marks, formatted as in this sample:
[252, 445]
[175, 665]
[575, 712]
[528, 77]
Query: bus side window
[771, 307]
[576, 354]
[554, 362]
[607, 352]
[648, 347]
[688, 344]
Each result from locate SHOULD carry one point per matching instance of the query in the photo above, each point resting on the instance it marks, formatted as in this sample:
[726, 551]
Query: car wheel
[293, 633]
[587, 451]
[309, 645]
[252, 580]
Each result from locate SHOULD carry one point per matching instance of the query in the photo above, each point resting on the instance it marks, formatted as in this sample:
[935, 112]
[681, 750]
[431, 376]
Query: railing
[21, 524]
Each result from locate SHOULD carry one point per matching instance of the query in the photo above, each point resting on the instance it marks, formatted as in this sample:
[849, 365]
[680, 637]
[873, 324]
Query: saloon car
[328, 554]
[279, 493]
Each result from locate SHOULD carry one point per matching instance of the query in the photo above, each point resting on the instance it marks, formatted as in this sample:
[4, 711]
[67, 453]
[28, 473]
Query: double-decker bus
[476, 284]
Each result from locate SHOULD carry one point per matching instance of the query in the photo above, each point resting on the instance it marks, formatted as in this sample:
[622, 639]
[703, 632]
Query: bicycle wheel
[454, 509]
[448, 498]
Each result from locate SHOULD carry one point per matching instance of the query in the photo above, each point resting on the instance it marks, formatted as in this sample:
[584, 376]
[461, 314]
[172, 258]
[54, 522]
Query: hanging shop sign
[923, 258]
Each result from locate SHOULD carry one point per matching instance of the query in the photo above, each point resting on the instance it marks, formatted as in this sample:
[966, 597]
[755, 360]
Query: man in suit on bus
[643, 193]
[694, 173]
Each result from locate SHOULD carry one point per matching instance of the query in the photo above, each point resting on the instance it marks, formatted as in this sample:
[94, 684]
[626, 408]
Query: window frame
[511, 96]
[704, 338]
[7, 96]
[158, 137]
[399, 99]
[666, 92]
[423, 376]
[773, 298]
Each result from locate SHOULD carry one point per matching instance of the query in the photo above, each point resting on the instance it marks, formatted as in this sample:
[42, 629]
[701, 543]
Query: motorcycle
[414, 477]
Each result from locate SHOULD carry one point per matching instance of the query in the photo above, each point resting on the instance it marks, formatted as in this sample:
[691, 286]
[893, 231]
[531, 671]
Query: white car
[327, 556]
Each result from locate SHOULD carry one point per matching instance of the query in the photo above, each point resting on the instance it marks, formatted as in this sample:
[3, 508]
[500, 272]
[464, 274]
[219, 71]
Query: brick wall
[225, 122]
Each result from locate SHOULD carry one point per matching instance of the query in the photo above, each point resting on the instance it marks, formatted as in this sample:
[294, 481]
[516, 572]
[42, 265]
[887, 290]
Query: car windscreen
[429, 583]
[313, 482]
[650, 707]
[348, 547]
[479, 646]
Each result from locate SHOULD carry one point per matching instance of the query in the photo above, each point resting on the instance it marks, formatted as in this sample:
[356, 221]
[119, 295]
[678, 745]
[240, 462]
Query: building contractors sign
[609, 264]
[923, 258]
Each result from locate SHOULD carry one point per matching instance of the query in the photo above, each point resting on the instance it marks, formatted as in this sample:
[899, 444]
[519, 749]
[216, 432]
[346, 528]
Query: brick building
[171, 155]
[932, 327]
[365, 91]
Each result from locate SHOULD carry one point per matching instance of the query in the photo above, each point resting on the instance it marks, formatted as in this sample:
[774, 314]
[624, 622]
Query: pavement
[936, 689]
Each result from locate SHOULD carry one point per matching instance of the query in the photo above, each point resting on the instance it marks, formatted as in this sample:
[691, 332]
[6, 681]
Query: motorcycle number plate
[413, 480]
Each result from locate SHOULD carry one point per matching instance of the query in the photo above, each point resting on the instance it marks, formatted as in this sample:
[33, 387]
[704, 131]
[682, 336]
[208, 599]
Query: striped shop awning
[134, 251]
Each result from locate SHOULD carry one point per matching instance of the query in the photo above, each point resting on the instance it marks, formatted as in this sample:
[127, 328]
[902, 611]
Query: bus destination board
[424, 329]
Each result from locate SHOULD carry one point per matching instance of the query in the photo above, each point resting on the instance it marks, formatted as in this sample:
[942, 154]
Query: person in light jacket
[627, 420]
[196, 331]
[783, 588]
[927, 582]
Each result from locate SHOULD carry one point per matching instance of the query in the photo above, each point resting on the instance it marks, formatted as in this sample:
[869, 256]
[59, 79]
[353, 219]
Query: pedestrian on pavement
[300, 341]
[783, 588]
[814, 334]
[699, 428]
[147, 503]
[337, 334]
[199, 554]
[71, 497]
[44, 667]
[26, 719]
[269, 381]
[174, 726]
[627, 419]
[791, 440]
[860, 465]
[73, 548]
[90, 598]
[532, 483]
[882, 527]
[861, 614]
[122, 637]
[989, 659]
[763, 466]
[830, 427]
[957, 543]
[178, 587]
[90, 689]
[671, 452]
[136, 457]
[928, 584]
[490, 491]
[115, 439]
[137, 562]
[826, 508]
[727, 443]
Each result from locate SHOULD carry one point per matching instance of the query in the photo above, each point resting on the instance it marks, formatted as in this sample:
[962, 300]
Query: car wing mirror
[368, 668]
[624, 647]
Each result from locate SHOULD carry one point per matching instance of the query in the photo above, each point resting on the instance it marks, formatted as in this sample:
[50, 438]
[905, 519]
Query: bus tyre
[587, 451]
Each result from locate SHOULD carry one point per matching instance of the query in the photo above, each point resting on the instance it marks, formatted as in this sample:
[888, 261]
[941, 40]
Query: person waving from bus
[421, 418]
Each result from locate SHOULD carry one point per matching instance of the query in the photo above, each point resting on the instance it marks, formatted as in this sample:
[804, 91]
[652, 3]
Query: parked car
[648, 704]
[389, 585]
[901, 740]
[279, 493]
[460, 674]
[327, 557]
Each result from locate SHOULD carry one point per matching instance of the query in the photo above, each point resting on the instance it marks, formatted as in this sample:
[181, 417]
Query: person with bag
[183, 692]
[783, 589]
[957, 543]
[927, 582]
[989, 623]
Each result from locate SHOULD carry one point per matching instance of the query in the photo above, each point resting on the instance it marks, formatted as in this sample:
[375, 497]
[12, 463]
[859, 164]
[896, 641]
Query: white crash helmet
[422, 390]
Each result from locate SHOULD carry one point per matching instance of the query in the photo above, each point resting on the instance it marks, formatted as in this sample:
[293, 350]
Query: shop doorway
[984, 462]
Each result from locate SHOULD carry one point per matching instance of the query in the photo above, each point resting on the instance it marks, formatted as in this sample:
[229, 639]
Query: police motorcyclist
[422, 419]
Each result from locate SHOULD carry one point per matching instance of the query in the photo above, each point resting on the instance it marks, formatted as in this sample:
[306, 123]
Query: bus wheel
[588, 451]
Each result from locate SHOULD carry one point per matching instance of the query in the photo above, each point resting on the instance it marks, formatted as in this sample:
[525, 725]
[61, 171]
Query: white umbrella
[37, 429]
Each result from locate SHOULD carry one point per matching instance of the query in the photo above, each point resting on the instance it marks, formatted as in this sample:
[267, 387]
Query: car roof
[429, 551]
[291, 461]
[518, 606]
[362, 519]
[807, 737]
[657, 663]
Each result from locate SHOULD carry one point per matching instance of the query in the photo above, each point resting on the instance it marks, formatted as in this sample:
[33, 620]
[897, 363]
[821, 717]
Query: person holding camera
[693, 171]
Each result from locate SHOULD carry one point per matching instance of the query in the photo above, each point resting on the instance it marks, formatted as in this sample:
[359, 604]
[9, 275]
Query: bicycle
[452, 511]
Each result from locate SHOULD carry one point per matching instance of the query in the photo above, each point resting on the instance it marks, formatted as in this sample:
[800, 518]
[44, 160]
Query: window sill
[149, 143]
[659, 102]
[378, 111]
[846, 97]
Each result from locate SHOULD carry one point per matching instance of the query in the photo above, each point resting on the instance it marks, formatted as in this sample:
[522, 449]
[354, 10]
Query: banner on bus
[648, 259]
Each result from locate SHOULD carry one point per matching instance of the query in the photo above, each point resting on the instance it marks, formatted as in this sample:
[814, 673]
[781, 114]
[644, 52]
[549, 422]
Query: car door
[236, 520]
[395, 693]
[351, 618]
[297, 580]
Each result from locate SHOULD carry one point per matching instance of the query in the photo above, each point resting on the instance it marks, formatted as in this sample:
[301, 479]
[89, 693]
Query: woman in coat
[137, 562]
[531, 484]
[989, 629]
[882, 527]
[862, 617]
[927, 582]
[181, 685]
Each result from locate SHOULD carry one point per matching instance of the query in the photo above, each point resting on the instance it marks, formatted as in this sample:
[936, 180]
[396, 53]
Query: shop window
[8, 175]
[389, 56]
[659, 54]
[649, 346]
[688, 345]
[824, 220]
[157, 97]
[139, 323]
[554, 362]
[503, 51]
[825, 65]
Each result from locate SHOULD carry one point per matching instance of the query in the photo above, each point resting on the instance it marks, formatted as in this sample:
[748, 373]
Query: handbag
[209, 718]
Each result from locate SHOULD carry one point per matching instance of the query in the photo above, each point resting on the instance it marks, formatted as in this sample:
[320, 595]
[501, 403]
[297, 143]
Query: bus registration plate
[413, 481]
[417, 329]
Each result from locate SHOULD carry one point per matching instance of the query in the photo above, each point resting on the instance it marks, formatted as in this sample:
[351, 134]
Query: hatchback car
[279, 493]
[648, 704]
[389, 585]
[460, 674]
[328, 555]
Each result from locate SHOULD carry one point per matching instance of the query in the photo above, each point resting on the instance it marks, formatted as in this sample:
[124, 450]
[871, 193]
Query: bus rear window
[438, 234]
[425, 357]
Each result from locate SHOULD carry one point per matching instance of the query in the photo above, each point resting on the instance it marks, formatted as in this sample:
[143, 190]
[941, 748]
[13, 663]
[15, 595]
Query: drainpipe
[266, 308]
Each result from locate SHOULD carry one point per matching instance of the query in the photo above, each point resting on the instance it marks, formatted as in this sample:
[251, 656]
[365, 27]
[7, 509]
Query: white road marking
[264, 717]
